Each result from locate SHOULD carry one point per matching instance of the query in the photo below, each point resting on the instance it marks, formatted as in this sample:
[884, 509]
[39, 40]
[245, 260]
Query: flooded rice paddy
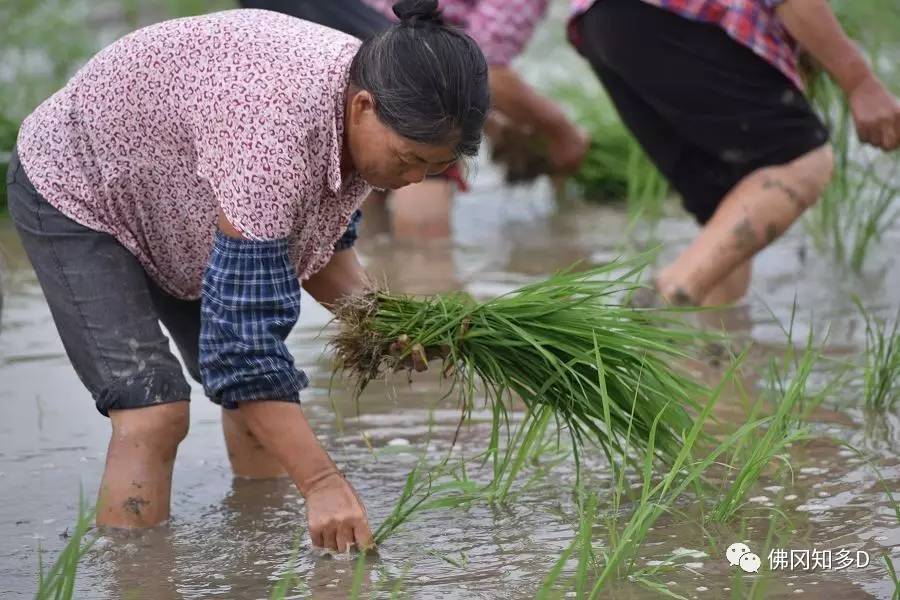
[233, 539]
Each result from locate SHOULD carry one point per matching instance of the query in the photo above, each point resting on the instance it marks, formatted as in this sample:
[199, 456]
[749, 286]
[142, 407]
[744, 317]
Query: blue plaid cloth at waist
[349, 238]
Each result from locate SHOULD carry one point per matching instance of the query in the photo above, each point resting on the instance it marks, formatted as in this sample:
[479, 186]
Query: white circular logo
[750, 563]
[735, 552]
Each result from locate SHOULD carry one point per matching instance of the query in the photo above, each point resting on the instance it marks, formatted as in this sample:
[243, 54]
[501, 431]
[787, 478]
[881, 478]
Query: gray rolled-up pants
[106, 308]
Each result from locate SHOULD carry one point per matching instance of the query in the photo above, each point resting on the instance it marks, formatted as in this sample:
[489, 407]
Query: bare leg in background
[715, 268]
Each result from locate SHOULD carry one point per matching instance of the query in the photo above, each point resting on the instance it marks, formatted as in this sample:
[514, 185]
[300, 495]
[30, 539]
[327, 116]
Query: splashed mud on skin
[134, 504]
[771, 183]
[682, 298]
[745, 238]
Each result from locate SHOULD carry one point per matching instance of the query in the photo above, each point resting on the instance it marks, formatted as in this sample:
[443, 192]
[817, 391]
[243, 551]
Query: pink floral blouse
[242, 110]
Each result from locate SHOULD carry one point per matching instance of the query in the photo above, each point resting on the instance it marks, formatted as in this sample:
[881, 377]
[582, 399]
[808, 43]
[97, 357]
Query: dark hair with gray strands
[429, 81]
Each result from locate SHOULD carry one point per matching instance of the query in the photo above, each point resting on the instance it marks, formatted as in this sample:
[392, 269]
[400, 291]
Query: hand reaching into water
[337, 517]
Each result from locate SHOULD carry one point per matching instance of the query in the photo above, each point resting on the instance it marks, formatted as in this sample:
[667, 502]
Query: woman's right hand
[876, 114]
[337, 517]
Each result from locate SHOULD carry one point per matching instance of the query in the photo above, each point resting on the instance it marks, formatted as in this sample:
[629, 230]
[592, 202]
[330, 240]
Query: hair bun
[414, 13]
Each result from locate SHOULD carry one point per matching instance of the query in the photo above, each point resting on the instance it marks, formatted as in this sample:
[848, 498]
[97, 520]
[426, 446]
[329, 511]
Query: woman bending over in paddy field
[197, 172]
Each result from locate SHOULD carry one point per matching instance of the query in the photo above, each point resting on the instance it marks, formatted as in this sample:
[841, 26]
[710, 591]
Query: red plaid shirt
[501, 28]
[752, 23]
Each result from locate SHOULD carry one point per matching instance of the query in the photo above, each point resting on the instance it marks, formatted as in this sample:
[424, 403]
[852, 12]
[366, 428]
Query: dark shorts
[707, 110]
[106, 309]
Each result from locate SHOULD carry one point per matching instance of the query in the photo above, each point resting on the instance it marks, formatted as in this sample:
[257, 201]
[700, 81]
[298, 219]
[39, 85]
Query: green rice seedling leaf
[555, 573]
[656, 586]
[881, 366]
[535, 430]
[585, 551]
[359, 574]
[459, 564]
[58, 581]
[289, 578]
[438, 487]
[890, 567]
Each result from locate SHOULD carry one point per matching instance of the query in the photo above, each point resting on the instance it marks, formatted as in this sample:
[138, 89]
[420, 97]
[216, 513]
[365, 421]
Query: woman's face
[385, 159]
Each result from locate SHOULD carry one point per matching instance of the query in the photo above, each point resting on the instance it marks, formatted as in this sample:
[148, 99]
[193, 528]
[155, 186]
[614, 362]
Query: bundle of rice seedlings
[520, 155]
[564, 343]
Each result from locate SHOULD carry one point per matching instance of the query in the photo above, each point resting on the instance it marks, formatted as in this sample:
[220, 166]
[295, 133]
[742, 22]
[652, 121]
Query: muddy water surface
[231, 539]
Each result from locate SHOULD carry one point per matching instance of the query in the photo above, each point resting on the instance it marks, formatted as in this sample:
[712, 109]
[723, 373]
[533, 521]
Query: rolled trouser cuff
[146, 389]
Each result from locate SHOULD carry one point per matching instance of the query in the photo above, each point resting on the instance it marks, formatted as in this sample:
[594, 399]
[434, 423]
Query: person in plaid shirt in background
[502, 28]
[712, 91]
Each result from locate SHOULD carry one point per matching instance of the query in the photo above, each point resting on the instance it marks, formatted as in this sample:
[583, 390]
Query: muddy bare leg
[137, 483]
[759, 209]
[248, 456]
[732, 288]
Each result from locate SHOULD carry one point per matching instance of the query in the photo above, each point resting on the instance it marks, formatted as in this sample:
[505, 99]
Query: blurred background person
[712, 92]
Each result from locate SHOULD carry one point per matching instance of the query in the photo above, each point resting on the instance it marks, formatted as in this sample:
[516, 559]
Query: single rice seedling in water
[881, 369]
[893, 573]
[440, 487]
[756, 452]
[58, 582]
[447, 485]
[564, 343]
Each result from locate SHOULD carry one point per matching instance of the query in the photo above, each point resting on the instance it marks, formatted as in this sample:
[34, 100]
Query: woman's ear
[361, 104]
